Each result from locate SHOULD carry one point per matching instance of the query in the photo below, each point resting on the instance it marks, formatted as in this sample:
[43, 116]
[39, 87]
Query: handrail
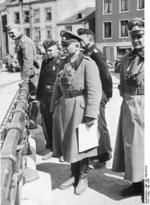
[10, 162]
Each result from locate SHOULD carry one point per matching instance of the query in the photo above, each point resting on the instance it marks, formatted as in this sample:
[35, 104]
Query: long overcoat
[129, 148]
[69, 112]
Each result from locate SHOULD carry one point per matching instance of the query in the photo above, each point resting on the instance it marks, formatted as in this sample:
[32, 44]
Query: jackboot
[69, 182]
[72, 180]
[82, 184]
[134, 190]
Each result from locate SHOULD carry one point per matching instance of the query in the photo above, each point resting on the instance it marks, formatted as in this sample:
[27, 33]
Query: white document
[87, 136]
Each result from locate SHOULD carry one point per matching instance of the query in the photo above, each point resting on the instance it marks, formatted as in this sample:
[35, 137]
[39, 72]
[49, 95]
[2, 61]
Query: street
[104, 185]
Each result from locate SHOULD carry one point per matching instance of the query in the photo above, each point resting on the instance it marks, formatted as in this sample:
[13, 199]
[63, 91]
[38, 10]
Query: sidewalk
[104, 185]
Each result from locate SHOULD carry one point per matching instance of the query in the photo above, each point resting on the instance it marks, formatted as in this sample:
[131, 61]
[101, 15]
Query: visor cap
[49, 43]
[136, 25]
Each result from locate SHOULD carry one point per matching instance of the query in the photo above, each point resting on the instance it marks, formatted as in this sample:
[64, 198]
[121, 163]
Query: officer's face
[52, 52]
[14, 34]
[73, 48]
[137, 40]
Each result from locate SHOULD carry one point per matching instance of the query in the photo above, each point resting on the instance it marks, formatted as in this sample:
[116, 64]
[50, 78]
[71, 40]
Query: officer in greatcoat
[129, 149]
[27, 57]
[76, 99]
[49, 69]
[90, 49]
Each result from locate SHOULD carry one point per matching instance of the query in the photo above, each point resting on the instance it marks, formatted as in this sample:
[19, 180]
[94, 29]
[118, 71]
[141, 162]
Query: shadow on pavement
[107, 182]
[103, 181]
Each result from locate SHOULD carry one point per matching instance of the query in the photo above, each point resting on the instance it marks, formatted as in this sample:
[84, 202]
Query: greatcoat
[129, 148]
[68, 112]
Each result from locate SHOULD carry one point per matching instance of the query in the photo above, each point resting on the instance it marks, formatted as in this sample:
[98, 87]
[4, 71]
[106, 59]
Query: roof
[4, 4]
[80, 16]
[16, 2]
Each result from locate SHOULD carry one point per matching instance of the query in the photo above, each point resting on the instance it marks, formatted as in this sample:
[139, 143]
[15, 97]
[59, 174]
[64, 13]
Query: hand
[89, 121]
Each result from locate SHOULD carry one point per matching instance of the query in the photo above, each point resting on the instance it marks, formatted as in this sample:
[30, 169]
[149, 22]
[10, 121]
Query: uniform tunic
[129, 149]
[49, 70]
[26, 52]
[70, 111]
[98, 57]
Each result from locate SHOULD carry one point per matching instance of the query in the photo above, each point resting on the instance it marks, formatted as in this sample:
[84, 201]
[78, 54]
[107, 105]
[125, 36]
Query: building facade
[84, 18]
[39, 18]
[111, 19]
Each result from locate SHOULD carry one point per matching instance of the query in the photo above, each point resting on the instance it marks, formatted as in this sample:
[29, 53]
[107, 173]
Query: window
[37, 34]
[140, 4]
[107, 30]
[69, 28]
[36, 15]
[79, 16]
[124, 5]
[123, 28]
[48, 32]
[26, 17]
[27, 32]
[17, 17]
[48, 14]
[107, 6]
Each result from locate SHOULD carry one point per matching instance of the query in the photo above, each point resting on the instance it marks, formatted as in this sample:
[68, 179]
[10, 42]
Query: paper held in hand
[87, 136]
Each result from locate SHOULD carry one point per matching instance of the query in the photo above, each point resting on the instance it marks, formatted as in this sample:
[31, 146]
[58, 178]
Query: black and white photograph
[74, 102]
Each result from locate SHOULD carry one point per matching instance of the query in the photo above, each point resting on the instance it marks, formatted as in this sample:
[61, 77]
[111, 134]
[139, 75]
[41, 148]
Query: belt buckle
[48, 86]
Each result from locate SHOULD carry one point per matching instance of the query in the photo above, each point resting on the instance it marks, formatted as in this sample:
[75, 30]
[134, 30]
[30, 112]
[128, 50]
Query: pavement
[104, 185]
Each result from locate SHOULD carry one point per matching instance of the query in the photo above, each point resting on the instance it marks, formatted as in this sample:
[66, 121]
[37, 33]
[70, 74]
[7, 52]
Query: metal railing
[12, 148]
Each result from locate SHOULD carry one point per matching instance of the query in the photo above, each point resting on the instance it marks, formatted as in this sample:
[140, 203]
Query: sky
[1, 1]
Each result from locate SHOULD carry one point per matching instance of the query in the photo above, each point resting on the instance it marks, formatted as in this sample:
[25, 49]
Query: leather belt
[135, 92]
[48, 87]
[74, 93]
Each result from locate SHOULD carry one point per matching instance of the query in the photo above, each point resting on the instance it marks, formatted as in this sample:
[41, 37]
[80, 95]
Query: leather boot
[69, 182]
[72, 180]
[82, 184]
[134, 190]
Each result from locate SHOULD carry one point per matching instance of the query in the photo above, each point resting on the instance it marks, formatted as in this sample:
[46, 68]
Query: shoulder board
[22, 40]
[95, 50]
[87, 58]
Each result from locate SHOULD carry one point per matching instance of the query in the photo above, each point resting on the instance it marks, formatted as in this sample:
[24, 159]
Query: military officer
[26, 54]
[76, 99]
[129, 149]
[49, 70]
[91, 50]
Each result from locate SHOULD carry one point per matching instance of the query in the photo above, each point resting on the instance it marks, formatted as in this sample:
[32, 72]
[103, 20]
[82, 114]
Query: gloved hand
[89, 121]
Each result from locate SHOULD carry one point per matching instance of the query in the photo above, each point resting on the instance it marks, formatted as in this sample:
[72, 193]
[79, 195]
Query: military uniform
[26, 52]
[98, 57]
[104, 148]
[77, 93]
[27, 57]
[75, 100]
[49, 70]
[129, 148]
[131, 126]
